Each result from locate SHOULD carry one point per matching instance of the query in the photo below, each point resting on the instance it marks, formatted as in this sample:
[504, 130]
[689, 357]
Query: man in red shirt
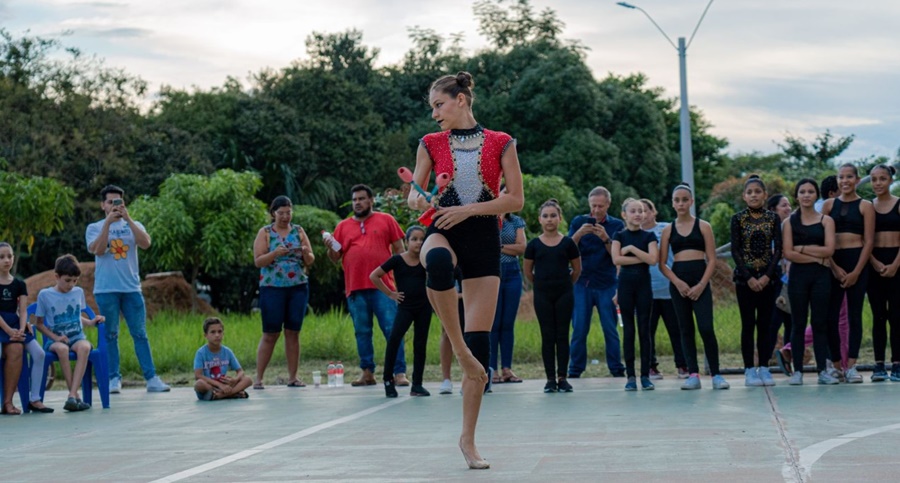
[366, 241]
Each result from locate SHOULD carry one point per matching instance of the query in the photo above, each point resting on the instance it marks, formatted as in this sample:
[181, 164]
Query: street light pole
[687, 153]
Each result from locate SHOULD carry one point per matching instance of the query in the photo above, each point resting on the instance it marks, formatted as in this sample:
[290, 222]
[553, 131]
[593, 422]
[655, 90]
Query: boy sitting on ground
[59, 319]
[212, 362]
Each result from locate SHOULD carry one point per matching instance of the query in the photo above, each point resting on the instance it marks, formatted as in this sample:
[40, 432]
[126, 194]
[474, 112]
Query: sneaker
[71, 405]
[834, 371]
[418, 391]
[631, 385]
[783, 356]
[82, 405]
[115, 385]
[550, 387]
[618, 373]
[691, 383]
[825, 377]
[853, 376]
[655, 375]
[155, 384]
[563, 386]
[895, 372]
[390, 390]
[751, 377]
[683, 373]
[646, 385]
[719, 382]
[446, 387]
[765, 376]
[879, 374]
[796, 379]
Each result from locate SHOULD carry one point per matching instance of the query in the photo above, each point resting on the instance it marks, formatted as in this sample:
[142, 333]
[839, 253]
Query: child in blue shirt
[59, 319]
[211, 363]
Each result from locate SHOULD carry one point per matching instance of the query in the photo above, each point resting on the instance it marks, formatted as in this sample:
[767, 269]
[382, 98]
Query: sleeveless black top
[694, 240]
[847, 217]
[889, 221]
[806, 234]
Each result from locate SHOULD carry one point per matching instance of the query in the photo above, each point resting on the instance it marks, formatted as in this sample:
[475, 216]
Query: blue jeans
[502, 336]
[586, 298]
[131, 306]
[362, 305]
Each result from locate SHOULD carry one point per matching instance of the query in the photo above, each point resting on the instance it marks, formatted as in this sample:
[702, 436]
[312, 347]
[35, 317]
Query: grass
[174, 338]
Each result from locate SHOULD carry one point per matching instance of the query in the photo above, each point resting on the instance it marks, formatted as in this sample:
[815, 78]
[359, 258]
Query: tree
[202, 222]
[29, 206]
[539, 189]
[815, 159]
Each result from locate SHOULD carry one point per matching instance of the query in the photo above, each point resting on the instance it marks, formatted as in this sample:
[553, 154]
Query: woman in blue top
[282, 252]
[512, 245]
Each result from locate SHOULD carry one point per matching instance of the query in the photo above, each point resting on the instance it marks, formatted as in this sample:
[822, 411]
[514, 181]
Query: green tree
[539, 189]
[202, 222]
[31, 205]
[813, 160]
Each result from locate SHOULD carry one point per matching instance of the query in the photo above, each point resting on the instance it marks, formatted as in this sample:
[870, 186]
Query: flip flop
[296, 383]
[242, 395]
[511, 378]
[10, 410]
[258, 386]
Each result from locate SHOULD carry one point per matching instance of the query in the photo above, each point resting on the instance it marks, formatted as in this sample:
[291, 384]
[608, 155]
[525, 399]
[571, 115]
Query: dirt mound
[163, 291]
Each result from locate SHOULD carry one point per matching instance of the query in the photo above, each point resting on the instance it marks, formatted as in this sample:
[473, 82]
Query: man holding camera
[596, 287]
[114, 241]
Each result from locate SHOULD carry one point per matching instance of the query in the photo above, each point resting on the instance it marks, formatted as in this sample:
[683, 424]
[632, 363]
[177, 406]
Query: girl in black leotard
[854, 224]
[548, 259]
[809, 244]
[884, 284]
[633, 251]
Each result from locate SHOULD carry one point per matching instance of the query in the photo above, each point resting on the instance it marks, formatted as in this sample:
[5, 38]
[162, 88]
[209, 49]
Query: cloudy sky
[757, 68]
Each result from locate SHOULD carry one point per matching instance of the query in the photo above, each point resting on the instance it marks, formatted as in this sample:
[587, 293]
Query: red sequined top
[444, 160]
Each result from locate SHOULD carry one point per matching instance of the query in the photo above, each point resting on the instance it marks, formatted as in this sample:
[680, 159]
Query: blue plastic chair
[98, 362]
[24, 385]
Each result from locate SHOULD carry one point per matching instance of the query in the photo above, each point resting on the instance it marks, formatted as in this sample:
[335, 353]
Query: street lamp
[687, 154]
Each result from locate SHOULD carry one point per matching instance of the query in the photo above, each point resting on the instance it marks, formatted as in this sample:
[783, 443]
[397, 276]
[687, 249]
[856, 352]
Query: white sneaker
[765, 376]
[446, 387]
[155, 384]
[852, 376]
[115, 385]
[751, 377]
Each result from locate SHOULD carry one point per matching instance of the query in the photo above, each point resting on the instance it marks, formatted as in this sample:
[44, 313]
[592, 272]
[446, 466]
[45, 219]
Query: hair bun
[753, 176]
[464, 79]
[685, 184]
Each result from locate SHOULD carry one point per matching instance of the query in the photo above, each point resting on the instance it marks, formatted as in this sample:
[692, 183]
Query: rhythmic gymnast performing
[464, 230]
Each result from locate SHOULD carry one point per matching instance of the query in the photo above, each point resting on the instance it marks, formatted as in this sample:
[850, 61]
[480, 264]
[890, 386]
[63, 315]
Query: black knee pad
[480, 345]
[439, 264]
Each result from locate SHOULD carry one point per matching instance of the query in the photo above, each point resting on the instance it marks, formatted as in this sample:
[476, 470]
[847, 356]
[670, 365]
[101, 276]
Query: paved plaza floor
[597, 433]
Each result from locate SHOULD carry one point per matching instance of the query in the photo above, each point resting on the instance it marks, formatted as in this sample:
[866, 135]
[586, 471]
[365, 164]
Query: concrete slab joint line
[276, 443]
[791, 470]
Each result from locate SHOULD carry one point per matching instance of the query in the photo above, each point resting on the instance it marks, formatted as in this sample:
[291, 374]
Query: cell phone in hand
[117, 202]
[590, 221]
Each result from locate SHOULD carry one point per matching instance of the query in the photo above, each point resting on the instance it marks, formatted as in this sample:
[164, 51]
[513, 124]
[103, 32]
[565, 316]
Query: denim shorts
[283, 307]
[48, 341]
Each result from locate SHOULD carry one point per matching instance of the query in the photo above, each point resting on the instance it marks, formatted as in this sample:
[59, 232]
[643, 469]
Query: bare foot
[473, 459]
[471, 367]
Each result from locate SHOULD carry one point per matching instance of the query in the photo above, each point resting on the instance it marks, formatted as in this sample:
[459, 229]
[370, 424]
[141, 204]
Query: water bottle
[332, 375]
[339, 374]
[336, 246]
[619, 316]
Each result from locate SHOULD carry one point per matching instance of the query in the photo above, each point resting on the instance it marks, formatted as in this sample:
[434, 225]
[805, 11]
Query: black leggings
[809, 289]
[883, 297]
[664, 308]
[635, 296]
[553, 306]
[847, 258]
[756, 313]
[691, 272]
[406, 317]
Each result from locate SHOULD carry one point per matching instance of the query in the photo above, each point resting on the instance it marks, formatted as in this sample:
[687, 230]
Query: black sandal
[42, 409]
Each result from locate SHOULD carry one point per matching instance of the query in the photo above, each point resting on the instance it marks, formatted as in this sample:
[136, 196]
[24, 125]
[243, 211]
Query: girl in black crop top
[808, 244]
[884, 283]
[849, 264]
[756, 250]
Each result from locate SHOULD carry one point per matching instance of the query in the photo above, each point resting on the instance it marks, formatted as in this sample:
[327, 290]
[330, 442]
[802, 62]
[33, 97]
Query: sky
[757, 69]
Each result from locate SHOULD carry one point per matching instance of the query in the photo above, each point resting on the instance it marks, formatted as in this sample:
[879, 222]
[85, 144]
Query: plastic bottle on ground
[339, 374]
[332, 375]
